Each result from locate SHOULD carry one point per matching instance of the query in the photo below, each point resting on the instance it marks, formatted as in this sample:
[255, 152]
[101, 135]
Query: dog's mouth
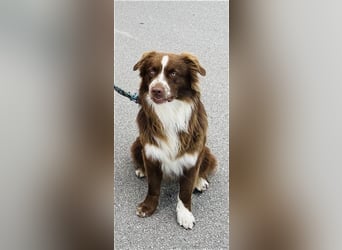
[160, 100]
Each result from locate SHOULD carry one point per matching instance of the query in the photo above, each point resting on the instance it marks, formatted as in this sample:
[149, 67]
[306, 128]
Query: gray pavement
[200, 28]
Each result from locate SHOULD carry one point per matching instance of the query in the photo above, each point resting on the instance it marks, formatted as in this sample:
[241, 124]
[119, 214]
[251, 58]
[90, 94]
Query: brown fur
[184, 87]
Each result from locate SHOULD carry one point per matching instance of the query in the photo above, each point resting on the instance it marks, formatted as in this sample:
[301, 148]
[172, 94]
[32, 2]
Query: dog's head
[166, 76]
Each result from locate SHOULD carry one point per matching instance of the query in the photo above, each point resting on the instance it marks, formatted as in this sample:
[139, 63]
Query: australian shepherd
[172, 130]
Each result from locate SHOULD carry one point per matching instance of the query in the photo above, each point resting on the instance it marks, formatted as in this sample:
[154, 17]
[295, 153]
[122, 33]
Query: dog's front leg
[154, 178]
[186, 184]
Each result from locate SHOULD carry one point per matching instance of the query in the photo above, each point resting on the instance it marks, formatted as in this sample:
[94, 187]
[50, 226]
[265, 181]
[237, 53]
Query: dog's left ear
[193, 62]
[143, 59]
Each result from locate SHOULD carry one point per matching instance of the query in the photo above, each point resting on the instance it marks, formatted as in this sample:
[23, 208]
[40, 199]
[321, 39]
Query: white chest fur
[175, 117]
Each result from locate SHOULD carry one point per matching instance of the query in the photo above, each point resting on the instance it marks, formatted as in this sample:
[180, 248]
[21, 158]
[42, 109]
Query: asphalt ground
[202, 29]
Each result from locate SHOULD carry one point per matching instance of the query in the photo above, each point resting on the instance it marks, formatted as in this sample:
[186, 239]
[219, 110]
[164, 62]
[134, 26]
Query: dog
[172, 126]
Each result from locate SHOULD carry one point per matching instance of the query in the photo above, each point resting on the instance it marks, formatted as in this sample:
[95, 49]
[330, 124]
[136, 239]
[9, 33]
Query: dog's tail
[208, 165]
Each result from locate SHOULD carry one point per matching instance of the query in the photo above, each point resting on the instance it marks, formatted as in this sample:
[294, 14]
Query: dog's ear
[193, 62]
[143, 59]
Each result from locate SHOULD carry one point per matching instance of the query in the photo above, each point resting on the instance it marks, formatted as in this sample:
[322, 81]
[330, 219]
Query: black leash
[133, 97]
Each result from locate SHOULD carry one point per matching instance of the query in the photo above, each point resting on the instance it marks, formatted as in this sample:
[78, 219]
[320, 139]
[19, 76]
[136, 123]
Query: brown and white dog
[172, 130]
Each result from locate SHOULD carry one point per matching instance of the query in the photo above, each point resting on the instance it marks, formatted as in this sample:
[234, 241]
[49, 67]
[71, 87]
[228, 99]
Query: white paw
[202, 184]
[140, 173]
[184, 217]
[140, 213]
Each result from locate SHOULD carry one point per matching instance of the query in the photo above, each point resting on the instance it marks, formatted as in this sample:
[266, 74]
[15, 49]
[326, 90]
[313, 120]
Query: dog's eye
[152, 72]
[173, 74]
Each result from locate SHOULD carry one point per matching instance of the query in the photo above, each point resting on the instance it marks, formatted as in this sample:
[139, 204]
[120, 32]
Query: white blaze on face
[161, 77]
[164, 61]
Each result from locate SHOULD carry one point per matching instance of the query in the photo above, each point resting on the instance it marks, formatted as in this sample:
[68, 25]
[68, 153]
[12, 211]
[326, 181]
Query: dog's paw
[144, 210]
[184, 217]
[140, 173]
[202, 184]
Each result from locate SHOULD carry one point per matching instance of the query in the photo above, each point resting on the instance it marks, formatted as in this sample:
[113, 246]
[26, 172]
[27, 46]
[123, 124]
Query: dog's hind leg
[207, 167]
[136, 151]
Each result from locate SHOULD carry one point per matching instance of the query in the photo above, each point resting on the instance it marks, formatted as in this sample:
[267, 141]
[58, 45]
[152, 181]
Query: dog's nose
[157, 92]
